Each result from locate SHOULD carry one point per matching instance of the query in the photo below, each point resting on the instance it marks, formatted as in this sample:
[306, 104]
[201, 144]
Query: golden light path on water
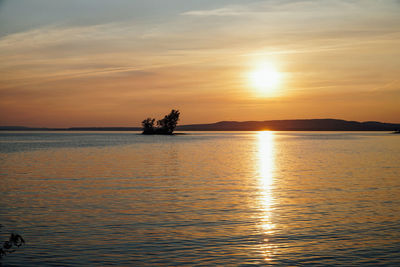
[266, 167]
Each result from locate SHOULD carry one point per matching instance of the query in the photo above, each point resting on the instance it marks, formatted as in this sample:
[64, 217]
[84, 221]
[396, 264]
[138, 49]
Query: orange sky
[70, 64]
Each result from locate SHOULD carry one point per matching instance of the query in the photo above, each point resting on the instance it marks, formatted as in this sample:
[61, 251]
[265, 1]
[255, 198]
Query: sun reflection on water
[266, 182]
[266, 159]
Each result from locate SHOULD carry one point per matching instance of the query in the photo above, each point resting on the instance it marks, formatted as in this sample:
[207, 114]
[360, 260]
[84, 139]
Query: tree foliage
[148, 126]
[8, 246]
[166, 125]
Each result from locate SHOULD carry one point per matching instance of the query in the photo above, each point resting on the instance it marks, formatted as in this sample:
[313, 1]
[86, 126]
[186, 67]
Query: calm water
[285, 198]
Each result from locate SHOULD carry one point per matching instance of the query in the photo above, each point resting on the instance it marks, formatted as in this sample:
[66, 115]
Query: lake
[202, 198]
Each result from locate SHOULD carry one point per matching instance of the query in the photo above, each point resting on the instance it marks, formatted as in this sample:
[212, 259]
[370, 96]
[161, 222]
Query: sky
[114, 63]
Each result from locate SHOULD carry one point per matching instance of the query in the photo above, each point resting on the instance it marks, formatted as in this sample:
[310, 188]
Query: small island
[164, 126]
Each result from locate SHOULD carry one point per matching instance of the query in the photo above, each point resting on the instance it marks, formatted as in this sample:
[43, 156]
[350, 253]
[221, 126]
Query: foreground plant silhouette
[166, 125]
[15, 240]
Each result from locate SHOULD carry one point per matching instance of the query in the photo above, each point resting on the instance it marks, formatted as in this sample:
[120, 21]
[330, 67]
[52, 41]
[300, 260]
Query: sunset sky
[113, 63]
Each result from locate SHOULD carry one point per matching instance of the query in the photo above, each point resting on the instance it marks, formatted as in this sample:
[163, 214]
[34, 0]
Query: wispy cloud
[220, 12]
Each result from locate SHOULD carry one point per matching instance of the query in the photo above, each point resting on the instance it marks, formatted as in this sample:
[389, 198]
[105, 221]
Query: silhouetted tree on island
[166, 125]
[148, 126]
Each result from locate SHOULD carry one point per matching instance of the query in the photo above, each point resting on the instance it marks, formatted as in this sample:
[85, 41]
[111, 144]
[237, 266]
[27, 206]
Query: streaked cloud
[228, 11]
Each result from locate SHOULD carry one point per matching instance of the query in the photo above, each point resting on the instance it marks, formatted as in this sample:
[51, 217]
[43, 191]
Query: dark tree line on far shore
[166, 125]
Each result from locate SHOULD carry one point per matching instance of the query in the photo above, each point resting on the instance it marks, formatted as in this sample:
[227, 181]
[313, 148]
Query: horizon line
[227, 121]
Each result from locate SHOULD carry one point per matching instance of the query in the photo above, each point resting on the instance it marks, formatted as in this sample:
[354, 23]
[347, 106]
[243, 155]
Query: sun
[265, 78]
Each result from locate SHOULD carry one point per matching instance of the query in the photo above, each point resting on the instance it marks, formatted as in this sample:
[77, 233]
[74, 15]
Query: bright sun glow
[265, 78]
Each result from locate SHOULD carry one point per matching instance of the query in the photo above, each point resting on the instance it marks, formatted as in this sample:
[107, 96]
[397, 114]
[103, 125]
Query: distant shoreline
[272, 125]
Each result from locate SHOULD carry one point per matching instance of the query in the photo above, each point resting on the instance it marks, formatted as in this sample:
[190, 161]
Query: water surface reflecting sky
[203, 198]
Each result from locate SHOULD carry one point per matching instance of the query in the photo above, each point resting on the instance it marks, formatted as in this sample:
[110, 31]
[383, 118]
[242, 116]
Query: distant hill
[14, 128]
[292, 125]
[21, 128]
[273, 125]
